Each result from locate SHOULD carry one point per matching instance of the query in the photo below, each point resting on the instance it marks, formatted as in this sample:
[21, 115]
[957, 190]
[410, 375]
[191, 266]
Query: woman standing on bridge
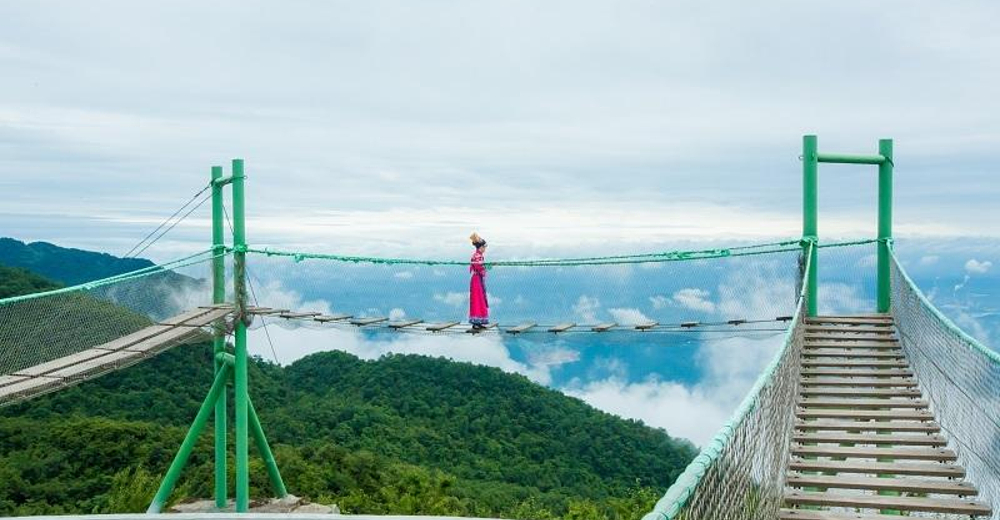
[479, 307]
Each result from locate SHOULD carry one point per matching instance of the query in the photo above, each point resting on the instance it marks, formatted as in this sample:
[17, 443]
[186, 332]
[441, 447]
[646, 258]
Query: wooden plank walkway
[864, 442]
[113, 355]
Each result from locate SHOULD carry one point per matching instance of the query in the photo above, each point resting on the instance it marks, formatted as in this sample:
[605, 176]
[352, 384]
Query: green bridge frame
[232, 368]
[229, 368]
[810, 235]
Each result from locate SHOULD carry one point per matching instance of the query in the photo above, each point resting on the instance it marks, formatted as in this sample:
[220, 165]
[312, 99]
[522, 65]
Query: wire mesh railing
[42, 327]
[960, 378]
[740, 473]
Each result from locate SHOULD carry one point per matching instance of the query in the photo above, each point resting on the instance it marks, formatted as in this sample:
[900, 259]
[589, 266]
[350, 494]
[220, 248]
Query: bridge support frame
[810, 219]
[229, 369]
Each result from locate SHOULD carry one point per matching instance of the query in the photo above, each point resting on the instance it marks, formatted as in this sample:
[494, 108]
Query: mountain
[65, 265]
[403, 434]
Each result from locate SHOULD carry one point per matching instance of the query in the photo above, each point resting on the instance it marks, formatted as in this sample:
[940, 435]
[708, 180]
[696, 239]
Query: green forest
[403, 434]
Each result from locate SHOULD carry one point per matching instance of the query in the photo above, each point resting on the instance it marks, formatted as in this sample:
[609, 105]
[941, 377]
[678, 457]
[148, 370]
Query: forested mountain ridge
[65, 265]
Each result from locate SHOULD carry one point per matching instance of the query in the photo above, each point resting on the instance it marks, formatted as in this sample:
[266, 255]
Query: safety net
[960, 378]
[58, 337]
[739, 474]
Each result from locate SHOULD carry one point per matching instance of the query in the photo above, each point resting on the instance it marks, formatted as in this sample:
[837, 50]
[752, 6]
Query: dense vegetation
[15, 281]
[402, 434]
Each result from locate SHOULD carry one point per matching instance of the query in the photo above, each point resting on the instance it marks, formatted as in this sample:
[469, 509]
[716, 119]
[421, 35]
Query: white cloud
[629, 316]
[840, 298]
[546, 355]
[974, 266]
[694, 299]
[929, 260]
[694, 412]
[659, 301]
[404, 275]
[586, 308]
[397, 314]
[456, 299]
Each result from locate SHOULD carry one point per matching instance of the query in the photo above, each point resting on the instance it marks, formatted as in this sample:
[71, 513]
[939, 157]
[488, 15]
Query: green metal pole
[884, 224]
[810, 233]
[180, 460]
[240, 375]
[265, 452]
[219, 338]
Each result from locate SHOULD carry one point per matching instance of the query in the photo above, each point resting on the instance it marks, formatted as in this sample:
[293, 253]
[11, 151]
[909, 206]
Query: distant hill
[65, 265]
[157, 296]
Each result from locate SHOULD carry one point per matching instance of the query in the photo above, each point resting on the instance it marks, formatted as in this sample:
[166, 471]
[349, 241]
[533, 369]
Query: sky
[555, 128]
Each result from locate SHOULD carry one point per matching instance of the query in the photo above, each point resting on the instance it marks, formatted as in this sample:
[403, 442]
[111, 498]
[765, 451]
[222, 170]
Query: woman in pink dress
[479, 307]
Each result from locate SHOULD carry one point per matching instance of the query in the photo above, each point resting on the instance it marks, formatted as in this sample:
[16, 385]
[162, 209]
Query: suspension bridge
[861, 416]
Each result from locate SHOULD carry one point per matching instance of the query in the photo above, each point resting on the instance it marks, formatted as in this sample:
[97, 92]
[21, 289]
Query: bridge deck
[77, 367]
[864, 442]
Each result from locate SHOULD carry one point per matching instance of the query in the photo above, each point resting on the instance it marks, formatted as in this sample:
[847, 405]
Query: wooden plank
[207, 318]
[135, 337]
[901, 485]
[902, 503]
[562, 327]
[437, 327]
[297, 315]
[821, 402]
[265, 311]
[876, 322]
[403, 323]
[110, 361]
[185, 316]
[869, 426]
[63, 362]
[859, 382]
[853, 452]
[858, 372]
[9, 380]
[30, 386]
[326, 318]
[870, 438]
[818, 514]
[924, 469]
[824, 336]
[849, 330]
[484, 328]
[524, 327]
[361, 322]
[847, 353]
[838, 362]
[603, 327]
[646, 326]
[851, 345]
[167, 339]
[858, 392]
[898, 415]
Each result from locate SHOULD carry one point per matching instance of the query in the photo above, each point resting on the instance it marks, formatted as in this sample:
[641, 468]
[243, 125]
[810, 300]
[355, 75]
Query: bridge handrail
[197, 258]
[677, 496]
[973, 343]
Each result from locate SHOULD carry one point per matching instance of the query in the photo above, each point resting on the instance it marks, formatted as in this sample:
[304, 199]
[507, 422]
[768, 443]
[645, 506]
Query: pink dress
[479, 307]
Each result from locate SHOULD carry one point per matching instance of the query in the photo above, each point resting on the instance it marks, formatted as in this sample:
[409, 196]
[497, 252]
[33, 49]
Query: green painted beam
[219, 336]
[884, 225]
[265, 453]
[842, 158]
[184, 452]
[810, 218]
[240, 351]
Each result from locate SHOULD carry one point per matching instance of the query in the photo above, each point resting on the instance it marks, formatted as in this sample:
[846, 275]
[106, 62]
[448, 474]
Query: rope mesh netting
[43, 327]
[959, 377]
[740, 473]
